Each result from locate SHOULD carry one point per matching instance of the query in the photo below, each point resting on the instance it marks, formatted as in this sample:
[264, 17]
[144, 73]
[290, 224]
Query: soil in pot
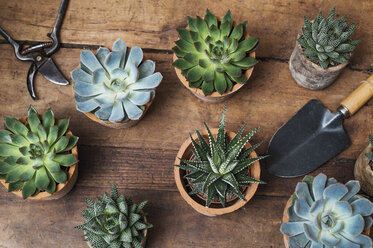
[198, 202]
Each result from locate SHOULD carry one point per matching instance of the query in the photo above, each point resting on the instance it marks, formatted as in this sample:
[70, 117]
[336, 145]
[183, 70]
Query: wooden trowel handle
[359, 97]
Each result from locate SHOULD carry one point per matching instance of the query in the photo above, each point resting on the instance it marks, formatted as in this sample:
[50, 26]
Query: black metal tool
[40, 54]
[314, 135]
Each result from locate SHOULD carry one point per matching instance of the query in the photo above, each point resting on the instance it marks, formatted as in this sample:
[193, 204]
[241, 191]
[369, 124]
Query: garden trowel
[314, 135]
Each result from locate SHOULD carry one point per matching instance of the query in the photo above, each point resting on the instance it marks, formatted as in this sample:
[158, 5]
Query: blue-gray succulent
[116, 85]
[326, 214]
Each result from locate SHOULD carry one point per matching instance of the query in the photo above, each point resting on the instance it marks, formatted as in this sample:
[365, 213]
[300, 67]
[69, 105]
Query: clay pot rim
[316, 66]
[60, 186]
[144, 232]
[249, 193]
[286, 219]
[215, 95]
[124, 124]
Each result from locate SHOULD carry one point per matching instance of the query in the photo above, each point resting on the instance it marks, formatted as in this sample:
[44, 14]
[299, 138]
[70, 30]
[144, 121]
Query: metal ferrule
[345, 112]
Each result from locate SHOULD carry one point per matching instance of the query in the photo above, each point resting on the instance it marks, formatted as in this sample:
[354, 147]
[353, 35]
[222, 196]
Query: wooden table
[140, 159]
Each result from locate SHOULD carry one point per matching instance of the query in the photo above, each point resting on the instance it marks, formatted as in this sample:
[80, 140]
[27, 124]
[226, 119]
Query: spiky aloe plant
[213, 55]
[114, 221]
[327, 41]
[220, 168]
[324, 213]
[35, 156]
[116, 85]
[369, 155]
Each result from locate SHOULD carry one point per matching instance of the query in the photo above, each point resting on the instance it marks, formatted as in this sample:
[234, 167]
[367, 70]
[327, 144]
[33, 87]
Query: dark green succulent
[369, 155]
[327, 41]
[114, 221]
[220, 169]
[35, 156]
[213, 55]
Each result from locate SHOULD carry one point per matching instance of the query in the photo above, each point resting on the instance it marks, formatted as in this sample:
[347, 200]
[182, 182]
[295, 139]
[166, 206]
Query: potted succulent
[38, 156]
[364, 168]
[321, 51]
[214, 58]
[221, 173]
[115, 88]
[115, 221]
[325, 213]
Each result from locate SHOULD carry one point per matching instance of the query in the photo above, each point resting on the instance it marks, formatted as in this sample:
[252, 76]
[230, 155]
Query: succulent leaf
[116, 86]
[214, 171]
[324, 213]
[327, 41]
[211, 52]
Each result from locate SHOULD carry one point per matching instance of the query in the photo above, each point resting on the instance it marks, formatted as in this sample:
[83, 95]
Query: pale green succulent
[116, 85]
[220, 168]
[214, 55]
[114, 221]
[327, 41]
[35, 156]
[326, 214]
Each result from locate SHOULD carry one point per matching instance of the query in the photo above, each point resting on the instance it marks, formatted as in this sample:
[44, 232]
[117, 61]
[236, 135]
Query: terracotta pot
[61, 188]
[185, 152]
[144, 234]
[214, 97]
[310, 75]
[363, 172]
[286, 219]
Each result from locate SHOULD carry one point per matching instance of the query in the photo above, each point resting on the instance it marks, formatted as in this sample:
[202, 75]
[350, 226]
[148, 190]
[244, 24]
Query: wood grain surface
[140, 159]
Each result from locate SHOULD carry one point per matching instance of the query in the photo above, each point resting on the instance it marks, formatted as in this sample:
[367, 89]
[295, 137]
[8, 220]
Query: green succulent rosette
[36, 156]
[213, 55]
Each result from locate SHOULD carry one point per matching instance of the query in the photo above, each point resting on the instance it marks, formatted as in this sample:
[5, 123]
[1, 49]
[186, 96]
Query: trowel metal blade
[50, 72]
[309, 139]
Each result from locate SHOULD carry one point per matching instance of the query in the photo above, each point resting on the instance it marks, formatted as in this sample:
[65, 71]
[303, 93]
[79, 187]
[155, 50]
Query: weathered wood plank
[152, 169]
[50, 224]
[153, 24]
[269, 100]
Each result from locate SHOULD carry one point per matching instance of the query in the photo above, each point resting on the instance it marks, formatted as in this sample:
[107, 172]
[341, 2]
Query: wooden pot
[61, 188]
[286, 219]
[363, 171]
[144, 234]
[214, 97]
[185, 152]
[310, 75]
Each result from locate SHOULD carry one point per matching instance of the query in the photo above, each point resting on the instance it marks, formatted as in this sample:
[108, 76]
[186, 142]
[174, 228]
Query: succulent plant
[369, 155]
[219, 169]
[213, 55]
[327, 41]
[114, 221]
[35, 156]
[325, 213]
[115, 86]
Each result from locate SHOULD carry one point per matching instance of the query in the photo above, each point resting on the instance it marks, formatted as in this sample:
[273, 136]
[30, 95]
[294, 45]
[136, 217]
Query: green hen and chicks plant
[213, 55]
[35, 156]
